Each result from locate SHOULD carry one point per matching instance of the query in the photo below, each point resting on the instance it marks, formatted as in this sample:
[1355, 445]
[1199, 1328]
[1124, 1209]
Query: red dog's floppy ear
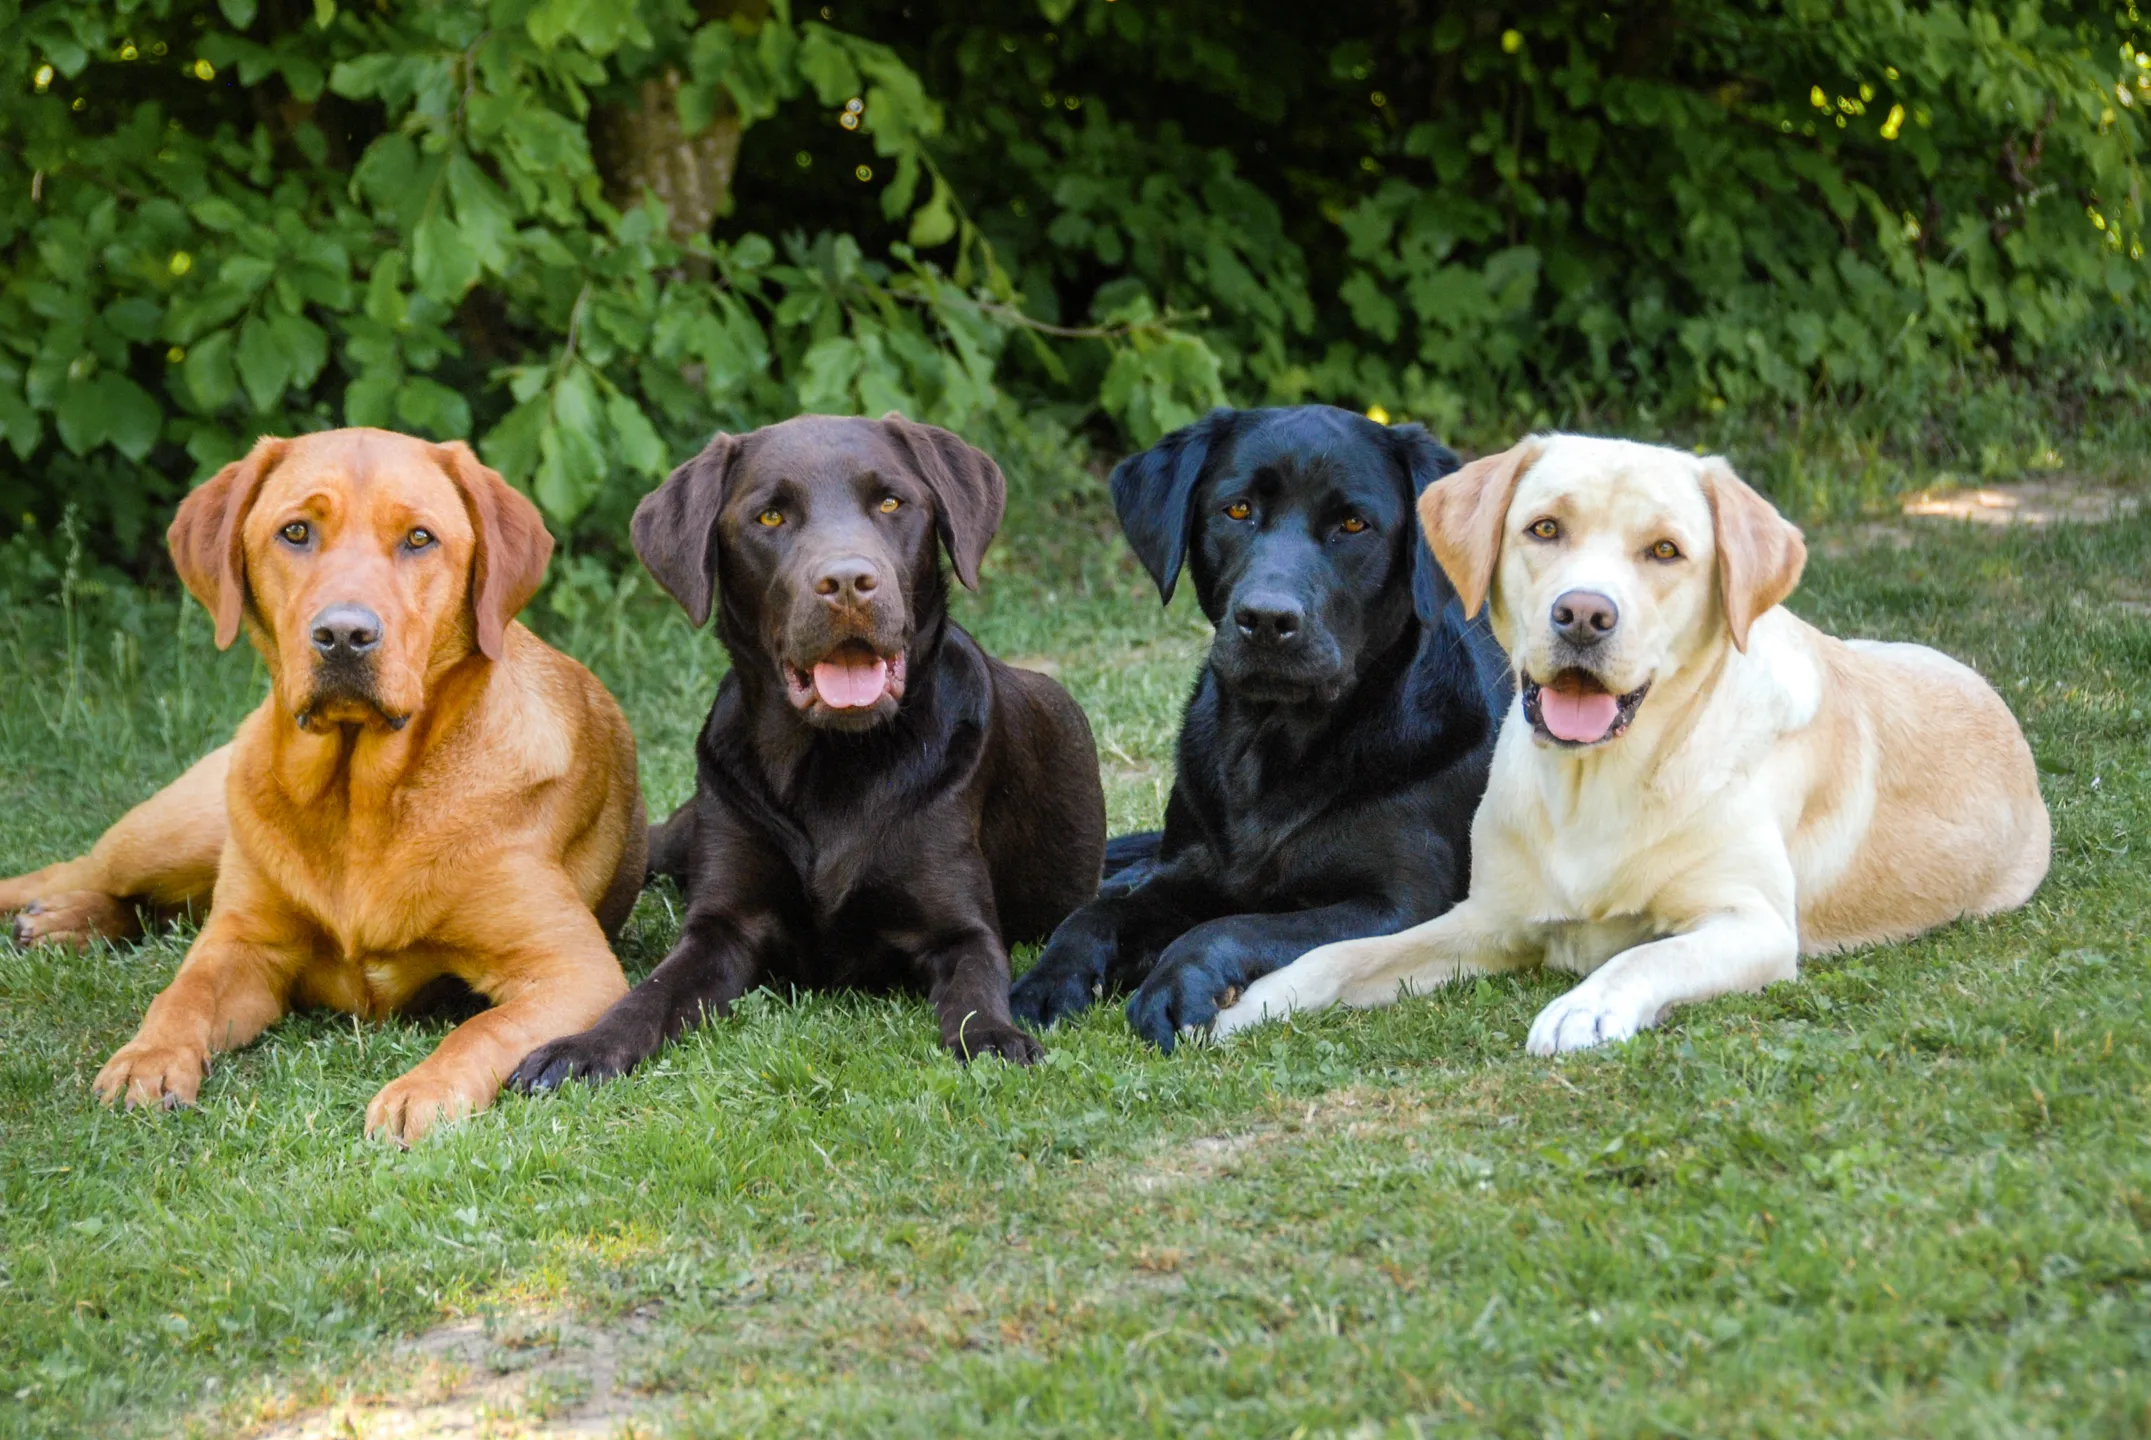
[1760, 552]
[969, 489]
[675, 527]
[208, 536]
[513, 547]
[1463, 515]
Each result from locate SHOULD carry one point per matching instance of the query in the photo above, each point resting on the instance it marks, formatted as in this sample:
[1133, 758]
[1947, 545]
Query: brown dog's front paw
[408, 1107]
[73, 920]
[146, 1072]
[976, 1037]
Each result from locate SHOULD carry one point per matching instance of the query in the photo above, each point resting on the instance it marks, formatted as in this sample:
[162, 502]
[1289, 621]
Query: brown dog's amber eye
[418, 539]
[1239, 510]
[889, 504]
[771, 518]
[1547, 529]
[1353, 525]
[298, 532]
[1665, 550]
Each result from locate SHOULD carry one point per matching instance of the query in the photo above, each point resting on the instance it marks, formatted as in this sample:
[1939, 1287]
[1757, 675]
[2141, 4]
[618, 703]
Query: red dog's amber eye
[1548, 529]
[419, 539]
[1239, 510]
[1665, 550]
[1353, 525]
[298, 532]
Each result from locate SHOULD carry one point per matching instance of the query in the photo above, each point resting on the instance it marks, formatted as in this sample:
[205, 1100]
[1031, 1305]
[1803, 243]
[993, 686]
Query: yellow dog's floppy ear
[208, 536]
[508, 564]
[1760, 552]
[1463, 515]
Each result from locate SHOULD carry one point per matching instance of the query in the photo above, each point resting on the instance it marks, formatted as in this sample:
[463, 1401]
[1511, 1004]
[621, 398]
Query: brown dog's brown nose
[841, 581]
[1584, 617]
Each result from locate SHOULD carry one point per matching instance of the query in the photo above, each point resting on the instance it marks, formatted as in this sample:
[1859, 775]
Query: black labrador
[878, 802]
[1339, 735]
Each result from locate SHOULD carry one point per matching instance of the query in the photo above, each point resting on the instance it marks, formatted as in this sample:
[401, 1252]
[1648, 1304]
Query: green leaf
[108, 408]
[442, 261]
[20, 424]
[431, 408]
[371, 399]
[264, 365]
[304, 343]
[207, 371]
[239, 12]
[637, 438]
[935, 221]
[487, 224]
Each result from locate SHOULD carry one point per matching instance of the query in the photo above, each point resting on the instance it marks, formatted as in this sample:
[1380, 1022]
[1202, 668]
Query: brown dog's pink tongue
[851, 681]
[1578, 718]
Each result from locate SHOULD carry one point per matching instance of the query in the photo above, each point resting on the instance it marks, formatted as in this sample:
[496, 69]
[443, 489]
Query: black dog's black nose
[1584, 617]
[1269, 622]
[847, 579]
[346, 630]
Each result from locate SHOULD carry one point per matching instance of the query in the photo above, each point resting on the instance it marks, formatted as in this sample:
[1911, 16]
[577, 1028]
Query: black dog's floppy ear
[1424, 460]
[968, 488]
[1154, 495]
[675, 527]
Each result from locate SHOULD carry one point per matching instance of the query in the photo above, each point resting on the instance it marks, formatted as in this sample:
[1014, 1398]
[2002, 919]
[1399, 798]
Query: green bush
[587, 232]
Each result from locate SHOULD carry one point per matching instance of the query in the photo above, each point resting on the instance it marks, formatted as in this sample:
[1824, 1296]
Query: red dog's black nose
[848, 579]
[1585, 617]
[346, 630]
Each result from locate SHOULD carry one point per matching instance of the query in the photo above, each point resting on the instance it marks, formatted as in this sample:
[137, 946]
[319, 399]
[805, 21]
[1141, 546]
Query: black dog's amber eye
[1239, 510]
[418, 539]
[889, 504]
[1352, 525]
[1548, 529]
[1665, 550]
[298, 532]
[771, 518]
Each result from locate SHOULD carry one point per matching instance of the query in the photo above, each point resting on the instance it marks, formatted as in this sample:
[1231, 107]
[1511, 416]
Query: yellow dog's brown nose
[346, 631]
[1584, 617]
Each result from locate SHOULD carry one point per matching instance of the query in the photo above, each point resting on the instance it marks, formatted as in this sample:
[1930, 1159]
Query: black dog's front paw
[1053, 990]
[593, 1056]
[1182, 994]
[977, 1037]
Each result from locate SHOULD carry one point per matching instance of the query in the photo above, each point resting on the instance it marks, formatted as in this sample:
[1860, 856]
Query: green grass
[1908, 1195]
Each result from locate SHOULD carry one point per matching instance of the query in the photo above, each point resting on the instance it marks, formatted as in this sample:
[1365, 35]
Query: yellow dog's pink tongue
[1577, 718]
[851, 682]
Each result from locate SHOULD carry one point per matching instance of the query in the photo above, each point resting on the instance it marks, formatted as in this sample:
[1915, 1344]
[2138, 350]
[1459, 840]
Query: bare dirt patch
[499, 1379]
[2050, 500]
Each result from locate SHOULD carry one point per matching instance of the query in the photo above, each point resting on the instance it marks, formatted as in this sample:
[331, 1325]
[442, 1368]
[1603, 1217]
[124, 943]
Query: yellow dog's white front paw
[1589, 1016]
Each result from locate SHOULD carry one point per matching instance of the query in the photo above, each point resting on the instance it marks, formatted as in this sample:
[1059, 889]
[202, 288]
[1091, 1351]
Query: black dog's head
[818, 535]
[1298, 525]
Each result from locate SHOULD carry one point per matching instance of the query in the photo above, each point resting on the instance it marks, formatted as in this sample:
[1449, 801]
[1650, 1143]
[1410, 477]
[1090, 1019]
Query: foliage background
[585, 233]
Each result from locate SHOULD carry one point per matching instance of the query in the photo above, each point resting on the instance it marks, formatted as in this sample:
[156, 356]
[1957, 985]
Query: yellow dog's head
[1611, 566]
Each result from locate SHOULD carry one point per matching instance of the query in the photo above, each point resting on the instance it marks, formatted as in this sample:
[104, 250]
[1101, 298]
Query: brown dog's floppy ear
[968, 487]
[675, 527]
[208, 536]
[1463, 515]
[513, 546]
[1760, 552]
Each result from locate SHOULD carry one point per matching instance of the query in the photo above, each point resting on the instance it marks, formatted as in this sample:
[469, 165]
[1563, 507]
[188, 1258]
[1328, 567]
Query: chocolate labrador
[1340, 731]
[879, 803]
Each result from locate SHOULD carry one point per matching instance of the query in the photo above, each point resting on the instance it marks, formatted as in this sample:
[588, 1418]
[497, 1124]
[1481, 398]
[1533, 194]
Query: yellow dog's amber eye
[890, 504]
[771, 518]
[1665, 550]
[1548, 529]
[1352, 525]
[419, 539]
[1239, 510]
[298, 532]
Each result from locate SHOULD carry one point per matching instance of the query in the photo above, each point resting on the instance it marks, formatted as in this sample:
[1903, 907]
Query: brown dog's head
[363, 564]
[816, 538]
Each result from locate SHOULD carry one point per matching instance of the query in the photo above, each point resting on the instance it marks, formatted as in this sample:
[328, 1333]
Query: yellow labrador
[1694, 787]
